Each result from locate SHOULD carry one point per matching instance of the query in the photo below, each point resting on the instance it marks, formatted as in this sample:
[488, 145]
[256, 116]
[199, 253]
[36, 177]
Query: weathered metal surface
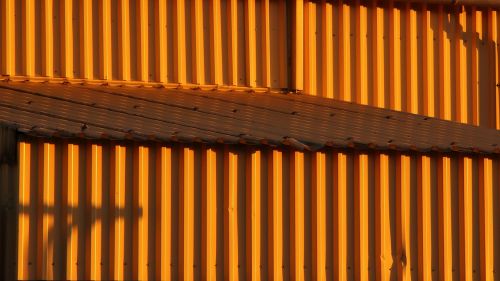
[142, 211]
[300, 121]
[208, 212]
[438, 60]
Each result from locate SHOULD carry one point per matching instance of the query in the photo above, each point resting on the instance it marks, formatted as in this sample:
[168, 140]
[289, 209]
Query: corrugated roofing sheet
[158, 114]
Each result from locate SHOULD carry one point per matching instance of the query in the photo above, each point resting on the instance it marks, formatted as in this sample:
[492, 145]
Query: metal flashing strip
[156, 114]
[8, 145]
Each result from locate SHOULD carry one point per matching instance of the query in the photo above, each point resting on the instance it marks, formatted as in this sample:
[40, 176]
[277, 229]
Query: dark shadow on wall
[480, 63]
[58, 235]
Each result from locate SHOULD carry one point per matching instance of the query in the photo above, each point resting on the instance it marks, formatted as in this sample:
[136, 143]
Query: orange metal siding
[429, 59]
[147, 211]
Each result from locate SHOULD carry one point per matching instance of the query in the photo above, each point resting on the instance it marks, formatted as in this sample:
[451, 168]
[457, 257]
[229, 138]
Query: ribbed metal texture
[422, 58]
[300, 121]
[123, 211]
[140, 211]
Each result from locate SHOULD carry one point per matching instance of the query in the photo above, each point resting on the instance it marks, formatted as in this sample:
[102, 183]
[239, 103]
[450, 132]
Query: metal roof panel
[305, 122]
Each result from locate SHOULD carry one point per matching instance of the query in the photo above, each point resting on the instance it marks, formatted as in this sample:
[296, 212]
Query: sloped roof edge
[155, 114]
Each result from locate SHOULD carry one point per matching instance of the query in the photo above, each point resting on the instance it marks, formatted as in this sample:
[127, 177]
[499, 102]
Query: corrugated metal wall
[146, 211]
[439, 61]
[236, 213]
